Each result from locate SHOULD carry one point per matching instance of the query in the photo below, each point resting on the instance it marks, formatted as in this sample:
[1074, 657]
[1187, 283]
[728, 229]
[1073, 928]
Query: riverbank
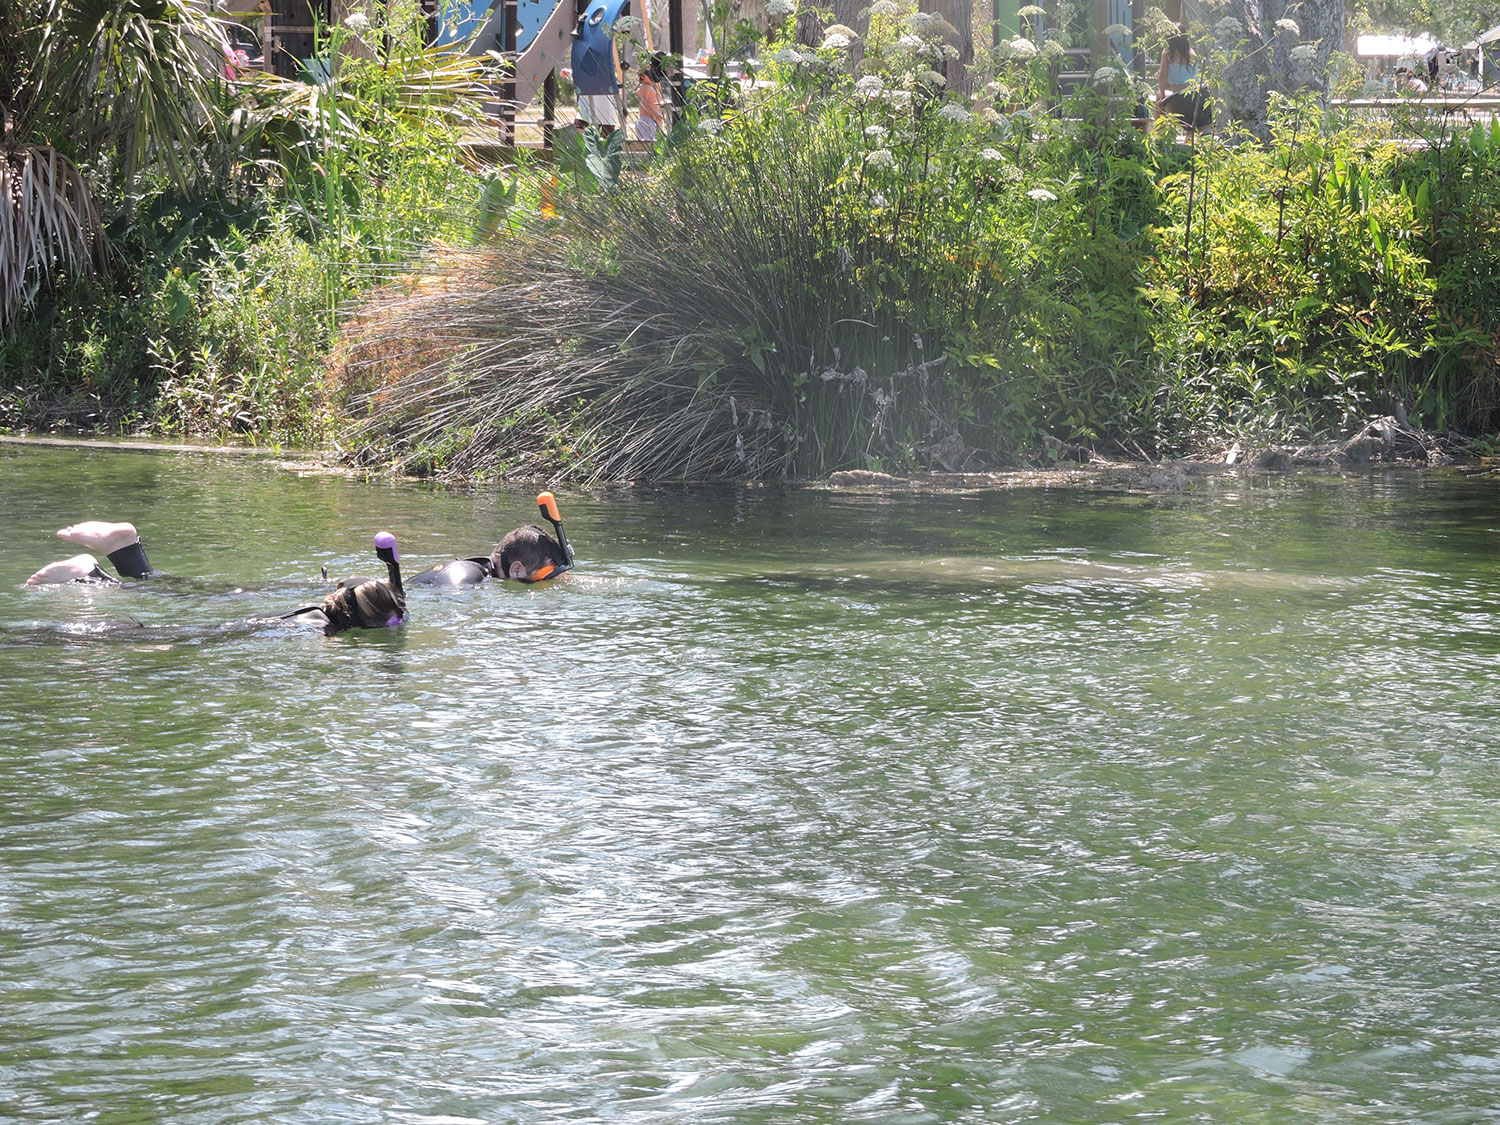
[1382, 444]
[840, 271]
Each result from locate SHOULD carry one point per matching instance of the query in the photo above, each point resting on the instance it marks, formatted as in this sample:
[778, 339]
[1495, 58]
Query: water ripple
[1025, 807]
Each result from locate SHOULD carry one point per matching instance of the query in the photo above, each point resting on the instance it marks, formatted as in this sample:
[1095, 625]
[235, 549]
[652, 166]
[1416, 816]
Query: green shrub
[221, 300]
[251, 361]
[1327, 277]
[839, 274]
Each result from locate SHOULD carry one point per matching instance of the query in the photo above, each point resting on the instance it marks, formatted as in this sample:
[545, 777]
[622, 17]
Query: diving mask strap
[485, 564]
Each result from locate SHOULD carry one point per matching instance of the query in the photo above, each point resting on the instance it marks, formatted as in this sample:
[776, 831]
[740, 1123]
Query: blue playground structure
[593, 54]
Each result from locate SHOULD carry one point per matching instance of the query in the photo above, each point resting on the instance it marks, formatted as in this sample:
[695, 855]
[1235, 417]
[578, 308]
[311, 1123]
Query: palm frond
[48, 223]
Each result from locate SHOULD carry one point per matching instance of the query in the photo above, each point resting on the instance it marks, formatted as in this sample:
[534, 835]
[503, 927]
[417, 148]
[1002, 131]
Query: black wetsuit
[455, 574]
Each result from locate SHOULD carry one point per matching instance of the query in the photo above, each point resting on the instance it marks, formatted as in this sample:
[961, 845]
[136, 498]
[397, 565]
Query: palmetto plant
[47, 220]
[94, 94]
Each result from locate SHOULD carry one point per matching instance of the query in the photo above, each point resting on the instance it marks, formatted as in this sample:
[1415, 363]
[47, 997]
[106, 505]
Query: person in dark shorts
[1178, 89]
[354, 604]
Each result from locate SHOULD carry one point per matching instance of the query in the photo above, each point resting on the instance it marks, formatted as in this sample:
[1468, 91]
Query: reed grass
[765, 305]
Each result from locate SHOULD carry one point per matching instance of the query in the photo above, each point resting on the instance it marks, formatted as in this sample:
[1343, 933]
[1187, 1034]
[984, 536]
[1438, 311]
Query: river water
[788, 806]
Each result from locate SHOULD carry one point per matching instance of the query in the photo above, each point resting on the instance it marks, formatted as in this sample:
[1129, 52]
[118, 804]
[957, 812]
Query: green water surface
[788, 806]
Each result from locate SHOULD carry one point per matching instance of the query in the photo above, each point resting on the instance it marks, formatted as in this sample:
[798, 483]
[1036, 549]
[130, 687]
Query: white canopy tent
[1488, 37]
[1375, 46]
[1478, 45]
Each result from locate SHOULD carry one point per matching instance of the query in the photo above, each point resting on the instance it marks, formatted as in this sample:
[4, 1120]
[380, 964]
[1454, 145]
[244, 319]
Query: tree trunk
[959, 13]
[847, 12]
[1263, 59]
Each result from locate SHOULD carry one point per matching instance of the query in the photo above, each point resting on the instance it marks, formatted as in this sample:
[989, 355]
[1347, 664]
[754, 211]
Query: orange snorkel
[548, 505]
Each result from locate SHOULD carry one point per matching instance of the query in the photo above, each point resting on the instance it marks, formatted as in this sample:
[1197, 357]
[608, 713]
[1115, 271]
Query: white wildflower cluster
[1009, 173]
[882, 9]
[955, 113]
[841, 29]
[836, 42]
[1053, 49]
[1156, 24]
[1229, 31]
[1288, 26]
[880, 158]
[1031, 10]
[932, 78]
[910, 42]
[1105, 76]
[1041, 195]
[875, 132]
[787, 56]
[1021, 48]
[900, 99]
[624, 25]
[357, 22]
[930, 24]
[1118, 31]
[780, 9]
[1304, 55]
[870, 86]
[991, 155]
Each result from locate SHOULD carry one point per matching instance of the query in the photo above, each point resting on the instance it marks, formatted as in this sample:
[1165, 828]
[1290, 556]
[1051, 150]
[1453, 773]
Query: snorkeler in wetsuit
[355, 604]
[119, 542]
[362, 603]
[527, 554]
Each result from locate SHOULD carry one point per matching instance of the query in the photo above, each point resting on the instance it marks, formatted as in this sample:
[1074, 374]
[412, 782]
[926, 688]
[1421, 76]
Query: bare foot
[100, 536]
[64, 570]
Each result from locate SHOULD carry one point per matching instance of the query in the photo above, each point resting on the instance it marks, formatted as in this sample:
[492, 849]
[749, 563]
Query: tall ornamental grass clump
[843, 273]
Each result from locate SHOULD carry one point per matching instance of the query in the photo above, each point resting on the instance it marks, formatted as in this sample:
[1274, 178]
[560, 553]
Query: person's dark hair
[369, 605]
[532, 547]
[1179, 48]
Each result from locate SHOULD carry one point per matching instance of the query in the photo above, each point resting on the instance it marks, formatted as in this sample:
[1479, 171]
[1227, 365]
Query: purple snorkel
[385, 550]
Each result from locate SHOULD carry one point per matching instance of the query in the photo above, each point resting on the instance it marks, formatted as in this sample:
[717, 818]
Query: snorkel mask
[548, 505]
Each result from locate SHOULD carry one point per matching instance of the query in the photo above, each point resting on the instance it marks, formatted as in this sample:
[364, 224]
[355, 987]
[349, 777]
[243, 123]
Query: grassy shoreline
[843, 268]
[1443, 452]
